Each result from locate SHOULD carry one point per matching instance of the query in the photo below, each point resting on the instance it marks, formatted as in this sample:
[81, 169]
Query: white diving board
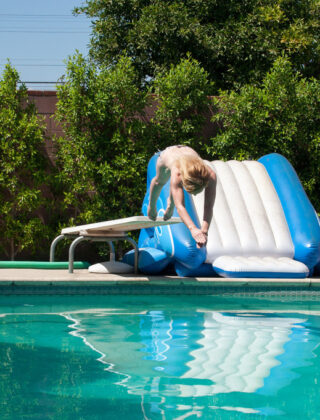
[111, 230]
[118, 226]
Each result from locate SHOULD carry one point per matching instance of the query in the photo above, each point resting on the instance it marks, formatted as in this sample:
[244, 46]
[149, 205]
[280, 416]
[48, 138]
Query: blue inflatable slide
[263, 225]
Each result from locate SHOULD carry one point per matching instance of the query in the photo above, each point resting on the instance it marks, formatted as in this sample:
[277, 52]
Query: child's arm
[178, 198]
[170, 208]
[209, 199]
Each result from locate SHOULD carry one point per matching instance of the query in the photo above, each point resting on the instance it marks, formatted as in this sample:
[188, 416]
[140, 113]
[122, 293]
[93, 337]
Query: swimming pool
[160, 357]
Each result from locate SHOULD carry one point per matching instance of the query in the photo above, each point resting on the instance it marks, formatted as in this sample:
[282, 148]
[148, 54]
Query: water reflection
[170, 360]
[163, 363]
[237, 353]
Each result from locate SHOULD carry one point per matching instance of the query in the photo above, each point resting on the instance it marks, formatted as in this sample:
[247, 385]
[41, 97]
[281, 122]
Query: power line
[37, 65]
[36, 15]
[36, 19]
[21, 61]
[29, 20]
[44, 83]
[38, 59]
[44, 18]
[33, 23]
[45, 32]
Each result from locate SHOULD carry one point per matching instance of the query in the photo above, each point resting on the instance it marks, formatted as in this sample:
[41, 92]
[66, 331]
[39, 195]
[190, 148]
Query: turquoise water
[159, 357]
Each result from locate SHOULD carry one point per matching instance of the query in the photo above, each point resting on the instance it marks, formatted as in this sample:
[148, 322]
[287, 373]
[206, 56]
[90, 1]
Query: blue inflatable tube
[300, 215]
[204, 270]
[151, 261]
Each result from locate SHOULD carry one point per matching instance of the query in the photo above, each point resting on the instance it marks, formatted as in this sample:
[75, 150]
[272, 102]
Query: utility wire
[45, 32]
[43, 82]
[38, 65]
[38, 59]
[33, 14]
[41, 15]
[25, 19]
[51, 24]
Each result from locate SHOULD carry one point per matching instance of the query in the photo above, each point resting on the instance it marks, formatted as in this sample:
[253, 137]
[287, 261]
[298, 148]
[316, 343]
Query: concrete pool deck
[37, 281]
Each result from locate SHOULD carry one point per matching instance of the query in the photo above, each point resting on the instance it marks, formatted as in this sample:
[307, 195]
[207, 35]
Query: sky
[37, 36]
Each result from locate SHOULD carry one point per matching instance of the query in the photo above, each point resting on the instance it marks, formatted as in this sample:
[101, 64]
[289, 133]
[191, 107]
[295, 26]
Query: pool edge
[31, 281]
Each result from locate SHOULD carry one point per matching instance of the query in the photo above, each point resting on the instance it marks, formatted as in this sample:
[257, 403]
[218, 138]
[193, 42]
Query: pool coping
[37, 281]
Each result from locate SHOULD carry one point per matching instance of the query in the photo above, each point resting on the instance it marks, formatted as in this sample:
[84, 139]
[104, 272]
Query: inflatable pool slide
[263, 226]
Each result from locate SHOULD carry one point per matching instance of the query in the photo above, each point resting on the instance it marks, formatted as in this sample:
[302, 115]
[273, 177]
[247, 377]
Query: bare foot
[152, 213]
[168, 213]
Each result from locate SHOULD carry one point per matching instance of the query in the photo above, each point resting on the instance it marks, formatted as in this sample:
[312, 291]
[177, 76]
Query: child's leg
[161, 178]
[170, 207]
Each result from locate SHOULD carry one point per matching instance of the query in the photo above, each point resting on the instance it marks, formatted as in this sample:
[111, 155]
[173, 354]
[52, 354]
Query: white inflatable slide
[263, 225]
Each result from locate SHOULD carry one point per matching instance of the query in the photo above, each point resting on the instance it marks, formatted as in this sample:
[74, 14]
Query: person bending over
[188, 171]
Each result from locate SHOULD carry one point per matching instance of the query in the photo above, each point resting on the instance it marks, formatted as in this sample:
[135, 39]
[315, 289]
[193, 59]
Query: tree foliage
[235, 41]
[100, 159]
[281, 115]
[22, 169]
[181, 94]
[103, 158]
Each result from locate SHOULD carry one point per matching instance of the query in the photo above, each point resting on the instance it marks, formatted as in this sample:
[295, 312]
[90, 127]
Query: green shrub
[282, 115]
[182, 95]
[23, 170]
[101, 159]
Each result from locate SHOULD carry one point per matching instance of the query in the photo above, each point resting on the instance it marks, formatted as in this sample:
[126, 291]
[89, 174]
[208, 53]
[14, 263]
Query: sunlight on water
[159, 358]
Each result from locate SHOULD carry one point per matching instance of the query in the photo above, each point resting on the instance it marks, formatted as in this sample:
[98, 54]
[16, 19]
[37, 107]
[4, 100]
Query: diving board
[119, 226]
[108, 231]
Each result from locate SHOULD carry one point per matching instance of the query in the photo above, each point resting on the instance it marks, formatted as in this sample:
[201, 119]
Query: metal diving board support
[92, 238]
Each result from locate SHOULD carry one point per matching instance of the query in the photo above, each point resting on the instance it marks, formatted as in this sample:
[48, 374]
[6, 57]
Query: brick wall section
[46, 101]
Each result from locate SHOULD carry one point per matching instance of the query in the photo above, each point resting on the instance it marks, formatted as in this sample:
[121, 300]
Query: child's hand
[199, 237]
[152, 213]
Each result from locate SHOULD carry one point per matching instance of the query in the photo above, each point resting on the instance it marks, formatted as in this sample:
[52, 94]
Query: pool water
[159, 357]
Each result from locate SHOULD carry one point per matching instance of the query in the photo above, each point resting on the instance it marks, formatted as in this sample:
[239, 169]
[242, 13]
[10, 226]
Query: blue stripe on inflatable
[258, 274]
[299, 212]
[175, 240]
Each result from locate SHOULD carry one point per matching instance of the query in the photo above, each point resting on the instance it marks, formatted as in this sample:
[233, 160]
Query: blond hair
[194, 173]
